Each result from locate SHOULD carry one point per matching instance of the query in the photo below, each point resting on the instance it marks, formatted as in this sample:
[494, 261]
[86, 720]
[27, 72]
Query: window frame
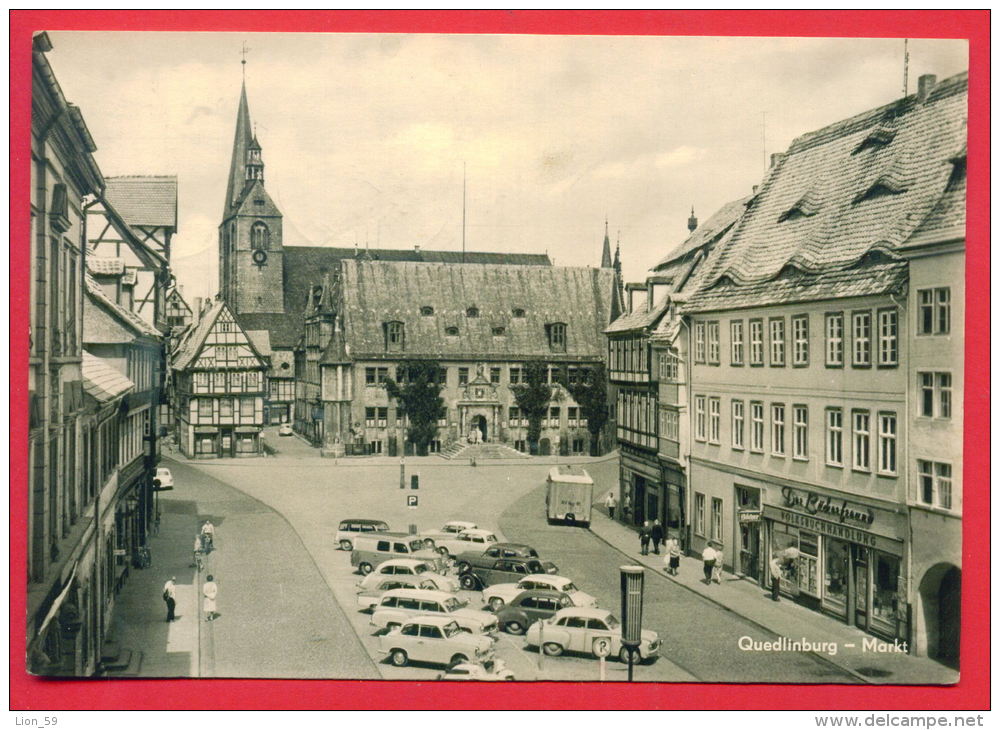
[834, 345]
[558, 336]
[834, 431]
[738, 423]
[714, 419]
[699, 514]
[756, 427]
[866, 342]
[778, 429]
[755, 343]
[699, 418]
[883, 339]
[800, 432]
[699, 343]
[885, 438]
[776, 345]
[736, 353]
[797, 341]
[712, 354]
[861, 440]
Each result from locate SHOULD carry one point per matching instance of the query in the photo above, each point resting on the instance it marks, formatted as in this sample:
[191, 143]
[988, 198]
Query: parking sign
[411, 501]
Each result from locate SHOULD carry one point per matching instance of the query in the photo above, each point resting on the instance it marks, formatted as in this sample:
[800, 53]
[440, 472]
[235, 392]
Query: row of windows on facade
[933, 318]
[395, 333]
[140, 367]
[576, 446]
[378, 417]
[227, 407]
[60, 299]
[228, 381]
[515, 375]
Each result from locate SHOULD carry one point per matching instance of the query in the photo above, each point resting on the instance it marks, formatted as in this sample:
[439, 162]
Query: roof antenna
[463, 211]
[906, 67]
[763, 138]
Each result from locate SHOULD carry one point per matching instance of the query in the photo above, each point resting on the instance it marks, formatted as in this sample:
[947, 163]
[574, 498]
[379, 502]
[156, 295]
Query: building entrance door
[750, 549]
[479, 422]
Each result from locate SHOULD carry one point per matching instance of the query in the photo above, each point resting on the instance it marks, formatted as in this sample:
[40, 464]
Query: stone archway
[941, 600]
[479, 422]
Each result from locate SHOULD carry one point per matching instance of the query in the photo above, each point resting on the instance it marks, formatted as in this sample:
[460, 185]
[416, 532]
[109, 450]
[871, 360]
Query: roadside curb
[821, 657]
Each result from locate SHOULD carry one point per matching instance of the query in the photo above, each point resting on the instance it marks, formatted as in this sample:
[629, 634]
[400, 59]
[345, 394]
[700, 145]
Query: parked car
[410, 568]
[435, 640]
[474, 558]
[528, 607]
[347, 530]
[398, 606]
[164, 480]
[448, 530]
[468, 671]
[577, 629]
[373, 549]
[369, 597]
[471, 539]
[285, 430]
[497, 595]
[498, 570]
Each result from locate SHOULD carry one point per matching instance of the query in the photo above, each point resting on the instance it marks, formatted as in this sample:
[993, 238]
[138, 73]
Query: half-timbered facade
[219, 379]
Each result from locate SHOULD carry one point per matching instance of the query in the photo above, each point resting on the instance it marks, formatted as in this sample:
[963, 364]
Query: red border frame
[972, 692]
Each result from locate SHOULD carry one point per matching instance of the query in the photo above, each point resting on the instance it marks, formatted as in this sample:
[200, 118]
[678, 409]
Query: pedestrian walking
[197, 551]
[210, 590]
[656, 535]
[611, 502]
[775, 565]
[170, 597]
[673, 558]
[708, 558]
[644, 538]
[717, 568]
[208, 537]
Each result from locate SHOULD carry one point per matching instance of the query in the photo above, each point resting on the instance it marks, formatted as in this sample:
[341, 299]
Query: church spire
[241, 146]
[606, 254]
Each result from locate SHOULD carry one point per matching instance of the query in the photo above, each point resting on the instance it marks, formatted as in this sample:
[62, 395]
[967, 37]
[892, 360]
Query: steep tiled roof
[708, 232]
[101, 381]
[377, 292]
[306, 266]
[144, 200]
[948, 216]
[640, 318]
[194, 337]
[261, 341]
[94, 330]
[864, 189]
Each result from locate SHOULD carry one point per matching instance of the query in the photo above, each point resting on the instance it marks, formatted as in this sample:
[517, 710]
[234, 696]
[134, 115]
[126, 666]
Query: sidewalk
[787, 619]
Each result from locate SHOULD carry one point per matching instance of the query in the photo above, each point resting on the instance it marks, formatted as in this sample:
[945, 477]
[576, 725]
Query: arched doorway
[941, 596]
[479, 422]
[544, 447]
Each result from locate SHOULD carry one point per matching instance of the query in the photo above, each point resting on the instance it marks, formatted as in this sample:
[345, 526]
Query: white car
[471, 539]
[580, 630]
[285, 430]
[448, 530]
[469, 672]
[436, 640]
[408, 567]
[369, 597]
[496, 596]
[398, 606]
[163, 480]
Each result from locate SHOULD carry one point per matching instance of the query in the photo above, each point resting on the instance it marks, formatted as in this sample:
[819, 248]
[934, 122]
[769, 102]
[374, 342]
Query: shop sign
[829, 508]
[749, 515]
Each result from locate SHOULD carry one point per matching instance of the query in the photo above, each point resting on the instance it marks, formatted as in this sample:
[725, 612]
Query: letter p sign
[411, 501]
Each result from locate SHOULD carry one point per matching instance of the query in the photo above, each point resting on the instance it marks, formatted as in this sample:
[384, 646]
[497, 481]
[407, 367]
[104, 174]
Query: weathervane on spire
[243, 61]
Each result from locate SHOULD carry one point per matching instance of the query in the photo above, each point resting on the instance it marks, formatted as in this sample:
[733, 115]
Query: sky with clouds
[365, 137]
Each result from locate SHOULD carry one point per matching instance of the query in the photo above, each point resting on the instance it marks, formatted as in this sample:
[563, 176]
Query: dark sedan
[530, 606]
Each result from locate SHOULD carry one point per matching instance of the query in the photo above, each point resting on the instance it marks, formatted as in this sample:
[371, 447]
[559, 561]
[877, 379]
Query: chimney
[754, 189]
[775, 158]
[197, 308]
[417, 248]
[925, 85]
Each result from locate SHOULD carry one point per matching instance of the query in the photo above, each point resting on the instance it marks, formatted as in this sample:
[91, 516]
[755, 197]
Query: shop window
[699, 514]
[736, 342]
[835, 339]
[885, 598]
[803, 571]
[777, 341]
[737, 433]
[800, 340]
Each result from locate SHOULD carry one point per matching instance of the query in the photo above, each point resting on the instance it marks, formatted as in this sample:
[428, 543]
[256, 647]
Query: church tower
[250, 240]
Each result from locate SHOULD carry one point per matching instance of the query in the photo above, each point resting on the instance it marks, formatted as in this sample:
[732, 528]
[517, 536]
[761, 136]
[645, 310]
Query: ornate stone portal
[479, 407]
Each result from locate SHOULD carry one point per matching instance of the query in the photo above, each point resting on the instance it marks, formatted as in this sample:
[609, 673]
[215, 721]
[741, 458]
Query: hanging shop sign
[749, 515]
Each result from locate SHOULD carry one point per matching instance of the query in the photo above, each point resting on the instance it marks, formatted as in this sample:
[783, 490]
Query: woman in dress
[210, 591]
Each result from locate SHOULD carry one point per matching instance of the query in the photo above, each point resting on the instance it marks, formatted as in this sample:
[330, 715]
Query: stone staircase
[479, 452]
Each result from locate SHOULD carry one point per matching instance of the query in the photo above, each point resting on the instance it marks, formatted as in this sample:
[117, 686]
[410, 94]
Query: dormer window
[877, 138]
[884, 185]
[472, 312]
[518, 313]
[260, 237]
[499, 331]
[426, 311]
[394, 336]
[557, 336]
[807, 205]
[451, 331]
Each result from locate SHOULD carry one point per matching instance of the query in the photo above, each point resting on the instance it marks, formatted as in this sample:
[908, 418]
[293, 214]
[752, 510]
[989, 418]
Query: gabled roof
[194, 337]
[123, 326]
[101, 381]
[871, 197]
[377, 292]
[708, 232]
[640, 318]
[175, 296]
[144, 200]
[306, 266]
